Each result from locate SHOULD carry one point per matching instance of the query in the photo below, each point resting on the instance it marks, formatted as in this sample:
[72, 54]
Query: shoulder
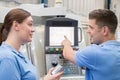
[88, 53]
[87, 56]
[89, 49]
[6, 54]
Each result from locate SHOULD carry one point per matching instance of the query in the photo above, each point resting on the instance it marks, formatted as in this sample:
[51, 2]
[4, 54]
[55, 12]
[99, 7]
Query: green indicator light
[51, 49]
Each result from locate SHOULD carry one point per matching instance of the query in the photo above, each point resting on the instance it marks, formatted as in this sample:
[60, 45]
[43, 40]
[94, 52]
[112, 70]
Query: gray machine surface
[55, 29]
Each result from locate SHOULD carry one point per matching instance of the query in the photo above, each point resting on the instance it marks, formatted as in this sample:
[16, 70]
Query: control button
[57, 49]
[51, 49]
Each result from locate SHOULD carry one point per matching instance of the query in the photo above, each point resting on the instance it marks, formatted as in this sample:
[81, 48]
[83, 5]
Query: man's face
[95, 33]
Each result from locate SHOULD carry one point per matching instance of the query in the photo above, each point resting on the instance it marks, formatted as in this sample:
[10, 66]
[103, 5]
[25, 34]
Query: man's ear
[15, 25]
[105, 30]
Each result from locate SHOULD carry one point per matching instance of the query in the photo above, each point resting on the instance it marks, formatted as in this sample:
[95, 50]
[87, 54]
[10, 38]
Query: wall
[13, 3]
[115, 6]
[81, 7]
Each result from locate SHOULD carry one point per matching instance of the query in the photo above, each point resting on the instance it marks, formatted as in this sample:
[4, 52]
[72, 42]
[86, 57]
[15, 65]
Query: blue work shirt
[14, 65]
[102, 61]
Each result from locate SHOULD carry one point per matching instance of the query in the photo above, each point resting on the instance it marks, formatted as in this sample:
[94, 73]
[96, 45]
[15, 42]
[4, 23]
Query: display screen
[56, 35]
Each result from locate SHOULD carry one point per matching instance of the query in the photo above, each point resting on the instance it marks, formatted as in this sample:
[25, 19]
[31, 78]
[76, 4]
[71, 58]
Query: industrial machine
[55, 30]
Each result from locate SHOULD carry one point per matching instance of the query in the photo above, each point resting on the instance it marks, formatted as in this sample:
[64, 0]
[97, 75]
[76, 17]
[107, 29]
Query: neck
[111, 37]
[11, 40]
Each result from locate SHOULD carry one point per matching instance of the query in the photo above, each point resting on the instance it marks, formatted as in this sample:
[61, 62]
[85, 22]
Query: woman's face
[26, 30]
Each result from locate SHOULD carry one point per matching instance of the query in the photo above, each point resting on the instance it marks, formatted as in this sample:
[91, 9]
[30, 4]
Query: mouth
[31, 35]
[90, 37]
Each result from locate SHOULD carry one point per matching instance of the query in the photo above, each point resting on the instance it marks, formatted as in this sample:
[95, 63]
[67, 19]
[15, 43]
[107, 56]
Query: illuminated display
[56, 35]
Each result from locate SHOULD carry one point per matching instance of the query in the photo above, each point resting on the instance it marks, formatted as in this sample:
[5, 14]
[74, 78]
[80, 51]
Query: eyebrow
[90, 26]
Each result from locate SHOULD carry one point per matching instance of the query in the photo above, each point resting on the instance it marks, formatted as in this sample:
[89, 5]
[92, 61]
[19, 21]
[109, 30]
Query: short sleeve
[86, 57]
[8, 70]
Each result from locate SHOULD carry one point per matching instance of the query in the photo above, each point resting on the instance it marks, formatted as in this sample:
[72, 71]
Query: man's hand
[68, 51]
[66, 42]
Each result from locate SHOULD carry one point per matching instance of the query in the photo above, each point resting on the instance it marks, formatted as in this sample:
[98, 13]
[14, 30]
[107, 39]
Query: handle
[81, 37]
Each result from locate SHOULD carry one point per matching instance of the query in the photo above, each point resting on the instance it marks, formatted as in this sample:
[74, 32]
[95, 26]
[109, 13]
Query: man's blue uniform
[102, 61]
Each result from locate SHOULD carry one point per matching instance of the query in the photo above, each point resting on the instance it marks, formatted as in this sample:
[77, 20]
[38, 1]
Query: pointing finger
[65, 37]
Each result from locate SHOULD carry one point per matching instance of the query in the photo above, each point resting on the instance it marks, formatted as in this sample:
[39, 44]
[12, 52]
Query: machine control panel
[54, 56]
[69, 68]
[55, 30]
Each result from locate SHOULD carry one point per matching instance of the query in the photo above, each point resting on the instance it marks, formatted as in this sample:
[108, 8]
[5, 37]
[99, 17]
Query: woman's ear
[15, 25]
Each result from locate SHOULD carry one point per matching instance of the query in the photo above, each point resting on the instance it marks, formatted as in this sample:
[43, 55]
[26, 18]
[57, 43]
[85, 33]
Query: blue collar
[110, 42]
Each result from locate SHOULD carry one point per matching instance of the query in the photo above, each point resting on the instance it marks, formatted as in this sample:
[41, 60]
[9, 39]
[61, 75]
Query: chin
[95, 43]
[91, 42]
[24, 43]
[29, 40]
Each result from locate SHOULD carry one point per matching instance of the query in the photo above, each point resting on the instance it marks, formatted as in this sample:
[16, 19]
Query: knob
[54, 64]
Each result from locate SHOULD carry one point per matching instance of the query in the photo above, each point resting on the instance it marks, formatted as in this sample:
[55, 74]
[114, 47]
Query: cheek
[95, 33]
[91, 34]
[97, 37]
[27, 32]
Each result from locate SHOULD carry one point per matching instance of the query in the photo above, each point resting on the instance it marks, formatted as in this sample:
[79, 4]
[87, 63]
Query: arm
[68, 51]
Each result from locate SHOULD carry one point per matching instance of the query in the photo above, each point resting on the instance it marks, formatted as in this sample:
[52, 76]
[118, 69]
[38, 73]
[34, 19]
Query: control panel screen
[56, 35]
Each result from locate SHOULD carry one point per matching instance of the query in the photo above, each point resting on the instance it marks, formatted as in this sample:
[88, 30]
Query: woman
[18, 29]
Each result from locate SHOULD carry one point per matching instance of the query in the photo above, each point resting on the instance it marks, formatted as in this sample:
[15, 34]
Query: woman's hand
[56, 76]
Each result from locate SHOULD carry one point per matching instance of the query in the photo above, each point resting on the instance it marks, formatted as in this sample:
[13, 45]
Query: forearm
[68, 53]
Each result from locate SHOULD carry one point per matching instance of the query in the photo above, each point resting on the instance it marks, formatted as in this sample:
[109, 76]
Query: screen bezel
[47, 33]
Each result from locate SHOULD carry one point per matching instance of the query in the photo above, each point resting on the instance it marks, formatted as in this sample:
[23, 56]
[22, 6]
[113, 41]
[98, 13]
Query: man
[102, 58]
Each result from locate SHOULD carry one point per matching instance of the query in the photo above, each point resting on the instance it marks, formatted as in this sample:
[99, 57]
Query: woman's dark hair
[18, 15]
[105, 17]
